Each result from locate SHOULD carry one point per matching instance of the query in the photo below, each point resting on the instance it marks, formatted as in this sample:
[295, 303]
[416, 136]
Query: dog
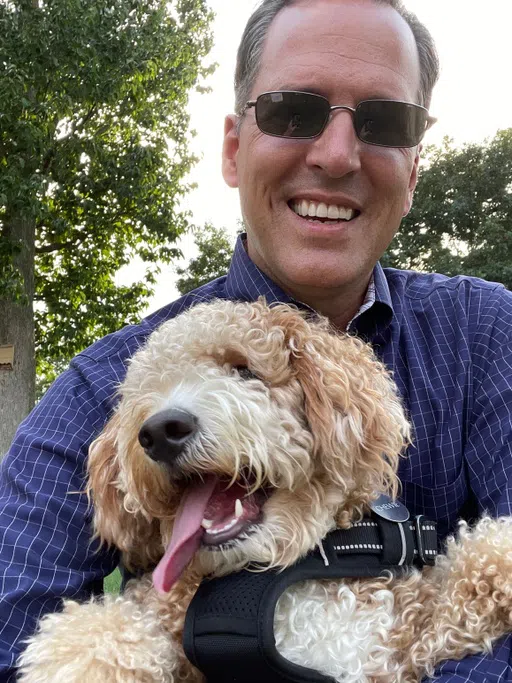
[244, 433]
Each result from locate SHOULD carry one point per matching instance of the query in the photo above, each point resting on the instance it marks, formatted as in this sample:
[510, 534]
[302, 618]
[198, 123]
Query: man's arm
[45, 549]
[493, 668]
[488, 455]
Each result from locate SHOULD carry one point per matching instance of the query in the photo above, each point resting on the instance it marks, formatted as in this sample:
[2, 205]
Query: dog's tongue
[186, 535]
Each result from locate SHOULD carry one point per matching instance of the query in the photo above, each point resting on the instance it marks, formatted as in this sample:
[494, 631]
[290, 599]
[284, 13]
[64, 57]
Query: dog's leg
[474, 597]
[114, 640]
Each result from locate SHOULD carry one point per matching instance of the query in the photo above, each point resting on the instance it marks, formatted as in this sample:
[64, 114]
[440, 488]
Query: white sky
[473, 98]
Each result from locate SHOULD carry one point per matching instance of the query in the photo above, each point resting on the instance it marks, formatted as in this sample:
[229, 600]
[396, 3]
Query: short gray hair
[253, 42]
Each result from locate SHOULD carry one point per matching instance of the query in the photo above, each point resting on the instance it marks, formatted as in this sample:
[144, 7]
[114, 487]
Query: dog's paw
[480, 558]
[486, 565]
[107, 641]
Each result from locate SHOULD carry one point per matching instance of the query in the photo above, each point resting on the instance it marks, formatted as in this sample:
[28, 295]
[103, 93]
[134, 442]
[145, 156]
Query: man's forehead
[342, 31]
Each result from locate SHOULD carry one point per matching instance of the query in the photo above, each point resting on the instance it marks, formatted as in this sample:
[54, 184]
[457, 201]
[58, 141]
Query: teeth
[239, 510]
[322, 210]
[227, 527]
[208, 523]
[333, 213]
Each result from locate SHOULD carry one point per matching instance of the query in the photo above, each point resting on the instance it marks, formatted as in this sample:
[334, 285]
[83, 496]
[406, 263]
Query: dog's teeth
[239, 509]
[206, 523]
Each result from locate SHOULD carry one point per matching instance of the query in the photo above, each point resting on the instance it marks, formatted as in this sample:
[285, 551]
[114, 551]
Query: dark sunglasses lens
[291, 114]
[392, 124]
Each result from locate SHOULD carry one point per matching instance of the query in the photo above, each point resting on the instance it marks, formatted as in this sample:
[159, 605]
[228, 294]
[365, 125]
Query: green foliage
[461, 219]
[215, 250]
[112, 582]
[93, 150]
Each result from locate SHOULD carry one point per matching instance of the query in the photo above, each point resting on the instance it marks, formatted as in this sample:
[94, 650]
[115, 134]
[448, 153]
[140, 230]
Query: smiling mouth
[323, 213]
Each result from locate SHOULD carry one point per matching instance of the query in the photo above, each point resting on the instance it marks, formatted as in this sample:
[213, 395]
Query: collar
[375, 320]
[369, 300]
[246, 282]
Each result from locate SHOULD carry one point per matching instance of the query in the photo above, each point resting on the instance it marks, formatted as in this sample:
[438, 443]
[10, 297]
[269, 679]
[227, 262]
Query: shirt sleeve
[45, 520]
[493, 668]
[488, 451]
[488, 456]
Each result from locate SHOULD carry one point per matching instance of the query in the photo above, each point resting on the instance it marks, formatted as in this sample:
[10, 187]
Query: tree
[215, 250]
[93, 155]
[461, 218]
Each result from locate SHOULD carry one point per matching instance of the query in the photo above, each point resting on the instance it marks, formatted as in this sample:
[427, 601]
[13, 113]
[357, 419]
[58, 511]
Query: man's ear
[412, 181]
[230, 150]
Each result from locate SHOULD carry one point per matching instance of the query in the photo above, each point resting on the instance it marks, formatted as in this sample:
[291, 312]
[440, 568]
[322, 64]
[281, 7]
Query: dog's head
[243, 434]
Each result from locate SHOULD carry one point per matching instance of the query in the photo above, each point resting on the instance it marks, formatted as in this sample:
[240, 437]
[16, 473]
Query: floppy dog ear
[131, 532]
[351, 403]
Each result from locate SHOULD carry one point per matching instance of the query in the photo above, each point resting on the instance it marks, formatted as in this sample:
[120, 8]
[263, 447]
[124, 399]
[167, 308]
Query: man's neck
[340, 305]
[339, 308]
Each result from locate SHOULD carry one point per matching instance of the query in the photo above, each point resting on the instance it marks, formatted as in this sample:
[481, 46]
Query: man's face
[347, 51]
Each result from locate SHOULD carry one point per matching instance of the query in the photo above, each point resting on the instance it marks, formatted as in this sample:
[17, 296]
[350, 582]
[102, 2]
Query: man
[322, 193]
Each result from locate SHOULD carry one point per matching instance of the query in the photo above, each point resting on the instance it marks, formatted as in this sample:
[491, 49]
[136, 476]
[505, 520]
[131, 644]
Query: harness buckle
[403, 555]
[426, 552]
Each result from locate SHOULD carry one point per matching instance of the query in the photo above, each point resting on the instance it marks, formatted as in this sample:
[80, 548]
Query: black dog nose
[164, 435]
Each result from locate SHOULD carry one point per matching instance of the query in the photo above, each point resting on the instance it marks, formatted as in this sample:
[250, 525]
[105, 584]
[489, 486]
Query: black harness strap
[229, 627]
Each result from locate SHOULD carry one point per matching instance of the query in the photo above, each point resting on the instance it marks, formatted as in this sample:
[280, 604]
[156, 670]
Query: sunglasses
[304, 115]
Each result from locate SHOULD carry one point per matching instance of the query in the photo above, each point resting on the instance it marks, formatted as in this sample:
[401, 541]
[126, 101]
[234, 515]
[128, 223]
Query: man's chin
[318, 277]
[305, 273]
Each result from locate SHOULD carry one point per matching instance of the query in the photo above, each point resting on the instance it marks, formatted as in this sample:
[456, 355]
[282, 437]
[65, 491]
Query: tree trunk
[17, 383]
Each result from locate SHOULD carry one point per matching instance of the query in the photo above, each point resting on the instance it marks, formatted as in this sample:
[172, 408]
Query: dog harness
[229, 626]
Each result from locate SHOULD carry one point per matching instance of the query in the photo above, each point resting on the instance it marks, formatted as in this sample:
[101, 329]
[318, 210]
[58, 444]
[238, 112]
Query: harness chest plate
[229, 627]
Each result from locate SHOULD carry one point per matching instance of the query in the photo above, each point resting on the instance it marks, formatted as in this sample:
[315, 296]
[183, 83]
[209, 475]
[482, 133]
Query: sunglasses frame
[253, 103]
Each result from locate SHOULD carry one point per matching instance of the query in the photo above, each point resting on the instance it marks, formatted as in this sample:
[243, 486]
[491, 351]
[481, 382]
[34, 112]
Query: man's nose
[337, 150]
[164, 435]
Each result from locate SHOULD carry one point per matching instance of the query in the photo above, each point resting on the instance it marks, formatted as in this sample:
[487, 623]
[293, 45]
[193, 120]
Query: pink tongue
[186, 535]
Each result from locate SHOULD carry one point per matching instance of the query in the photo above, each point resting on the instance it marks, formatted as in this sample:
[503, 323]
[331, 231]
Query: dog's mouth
[230, 512]
[212, 512]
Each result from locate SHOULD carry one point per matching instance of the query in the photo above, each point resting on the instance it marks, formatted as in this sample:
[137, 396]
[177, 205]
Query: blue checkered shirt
[448, 342]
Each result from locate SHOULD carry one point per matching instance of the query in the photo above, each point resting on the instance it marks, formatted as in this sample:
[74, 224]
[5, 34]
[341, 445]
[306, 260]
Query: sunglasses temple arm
[248, 105]
[430, 122]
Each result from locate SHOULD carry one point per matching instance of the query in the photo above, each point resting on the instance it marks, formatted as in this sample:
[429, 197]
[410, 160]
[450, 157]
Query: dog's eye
[244, 372]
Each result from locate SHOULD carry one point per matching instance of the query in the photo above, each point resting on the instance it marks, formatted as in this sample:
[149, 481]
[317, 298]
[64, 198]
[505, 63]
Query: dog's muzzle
[165, 435]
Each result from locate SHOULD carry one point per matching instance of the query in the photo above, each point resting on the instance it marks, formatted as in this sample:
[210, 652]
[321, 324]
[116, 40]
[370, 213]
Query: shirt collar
[375, 319]
[369, 300]
[246, 282]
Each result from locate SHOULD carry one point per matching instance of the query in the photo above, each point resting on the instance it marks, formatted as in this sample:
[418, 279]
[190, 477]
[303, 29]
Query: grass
[112, 582]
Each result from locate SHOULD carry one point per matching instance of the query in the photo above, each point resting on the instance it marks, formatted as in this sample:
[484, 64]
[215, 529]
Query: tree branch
[62, 246]
[56, 246]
